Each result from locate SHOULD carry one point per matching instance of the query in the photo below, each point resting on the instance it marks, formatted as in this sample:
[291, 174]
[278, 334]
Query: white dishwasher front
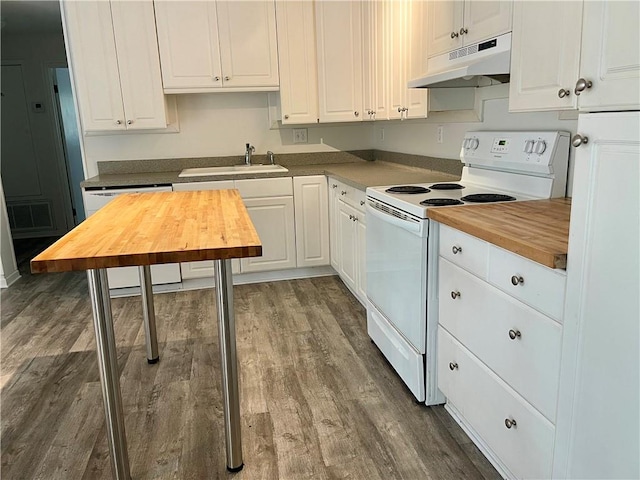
[122, 277]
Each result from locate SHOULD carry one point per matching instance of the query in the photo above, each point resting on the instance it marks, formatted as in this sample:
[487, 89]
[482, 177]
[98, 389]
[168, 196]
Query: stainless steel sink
[231, 170]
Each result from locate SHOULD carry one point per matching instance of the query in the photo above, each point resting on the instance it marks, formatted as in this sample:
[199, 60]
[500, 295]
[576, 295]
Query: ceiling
[30, 16]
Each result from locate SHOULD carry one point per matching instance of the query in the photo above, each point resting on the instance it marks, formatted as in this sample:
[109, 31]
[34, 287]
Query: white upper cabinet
[297, 61]
[587, 56]
[205, 46]
[116, 70]
[416, 51]
[339, 46]
[453, 24]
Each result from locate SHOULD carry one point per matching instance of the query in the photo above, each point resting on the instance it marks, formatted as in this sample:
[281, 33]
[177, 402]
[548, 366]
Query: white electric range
[498, 167]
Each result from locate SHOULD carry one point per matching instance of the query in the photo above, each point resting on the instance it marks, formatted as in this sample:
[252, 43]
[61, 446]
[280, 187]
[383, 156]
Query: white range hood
[476, 65]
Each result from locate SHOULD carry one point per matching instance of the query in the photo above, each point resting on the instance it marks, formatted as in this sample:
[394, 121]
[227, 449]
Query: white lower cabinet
[348, 230]
[312, 220]
[499, 347]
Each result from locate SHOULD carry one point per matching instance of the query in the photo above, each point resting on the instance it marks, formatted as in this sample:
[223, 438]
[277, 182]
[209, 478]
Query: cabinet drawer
[485, 402]
[348, 194]
[265, 187]
[464, 250]
[484, 319]
[536, 285]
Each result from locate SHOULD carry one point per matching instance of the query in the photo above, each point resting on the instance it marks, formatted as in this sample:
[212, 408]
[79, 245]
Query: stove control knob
[528, 146]
[474, 143]
[540, 147]
[465, 143]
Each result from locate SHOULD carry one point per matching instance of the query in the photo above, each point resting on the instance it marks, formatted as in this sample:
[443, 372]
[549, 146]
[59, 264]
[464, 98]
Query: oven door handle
[410, 225]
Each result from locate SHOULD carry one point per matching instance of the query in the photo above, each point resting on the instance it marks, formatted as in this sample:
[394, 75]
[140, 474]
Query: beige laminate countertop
[360, 175]
[536, 229]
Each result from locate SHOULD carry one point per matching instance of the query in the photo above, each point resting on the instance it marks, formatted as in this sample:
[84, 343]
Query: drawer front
[484, 320]
[348, 194]
[194, 186]
[536, 285]
[464, 250]
[265, 187]
[486, 402]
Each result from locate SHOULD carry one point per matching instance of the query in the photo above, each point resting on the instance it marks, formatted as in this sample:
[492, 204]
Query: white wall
[220, 124]
[420, 138]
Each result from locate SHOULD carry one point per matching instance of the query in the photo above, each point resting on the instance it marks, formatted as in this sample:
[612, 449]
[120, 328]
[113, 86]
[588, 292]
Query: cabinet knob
[509, 422]
[362, 203]
[357, 114]
[582, 85]
[351, 217]
[129, 122]
[118, 122]
[513, 334]
[343, 192]
[334, 185]
[286, 117]
[564, 92]
[463, 31]
[517, 280]
[455, 294]
[454, 34]
[578, 140]
[227, 78]
[453, 366]
[216, 79]
[455, 249]
[355, 219]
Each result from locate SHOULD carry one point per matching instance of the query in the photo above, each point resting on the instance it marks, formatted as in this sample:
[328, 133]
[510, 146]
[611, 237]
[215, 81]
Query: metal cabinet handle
[355, 219]
[399, 109]
[582, 85]
[334, 185]
[286, 117]
[453, 366]
[350, 217]
[578, 140]
[517, 280]
[227, 78]
[118, 122]
[564, 92]
[356, 114]
[463, 31]
[513, 334]
[216, 79]
[343, 192]
[362, 203]
[455, 249]
[454, 34]
[129, 122]
[508, 422]
[455, 294]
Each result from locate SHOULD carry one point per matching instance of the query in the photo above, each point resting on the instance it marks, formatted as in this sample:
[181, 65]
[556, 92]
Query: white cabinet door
[188, 44]
[348, 245]
[370, 54]
[89, 34]
[116, 69]
[297, 61]
[361, 234]
[248, 45]
[334, 203]
[273, 219]
[484, 19]
[545, 62]
[610, 56]
[416, 48]
[396, 44]
[601, 346]
[312, 220]
[339, 46]
[445, 20]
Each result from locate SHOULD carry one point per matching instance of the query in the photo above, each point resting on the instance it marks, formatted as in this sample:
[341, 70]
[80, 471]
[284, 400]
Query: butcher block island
[499, 306]
[142, 229]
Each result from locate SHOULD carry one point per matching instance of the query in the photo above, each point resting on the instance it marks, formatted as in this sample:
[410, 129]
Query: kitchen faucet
[271, 158]
[247, 153]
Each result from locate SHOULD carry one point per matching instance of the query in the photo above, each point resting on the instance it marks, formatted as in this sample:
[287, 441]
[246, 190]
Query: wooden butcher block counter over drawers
[499, 303]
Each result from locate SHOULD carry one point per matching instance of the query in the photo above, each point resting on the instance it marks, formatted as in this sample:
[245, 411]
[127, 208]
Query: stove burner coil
[441, 202]
[409, 189]
[487, 198]
[446, 186]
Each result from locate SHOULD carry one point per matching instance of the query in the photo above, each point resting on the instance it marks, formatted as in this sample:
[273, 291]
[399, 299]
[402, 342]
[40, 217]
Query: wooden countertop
[536, 229]
[151, 228]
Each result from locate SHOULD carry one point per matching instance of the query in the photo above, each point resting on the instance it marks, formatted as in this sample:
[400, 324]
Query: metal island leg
[148, 313]
[229, 364]
[109, 375]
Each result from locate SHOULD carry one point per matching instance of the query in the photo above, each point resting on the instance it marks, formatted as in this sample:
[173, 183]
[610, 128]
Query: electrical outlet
[299, 135]
[440, 134]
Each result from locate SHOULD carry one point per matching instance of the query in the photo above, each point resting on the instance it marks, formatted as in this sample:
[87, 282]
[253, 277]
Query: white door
[312, 220]
[89, 31]
[348, 245]
[598, 428]
[484, 19]
[297, 61]
[361, 234]
[334, 196]
[248, 45]
[273, 219]
[445, 20]
[545, 61]
[339, 45]
[610, 56]
[188, 44]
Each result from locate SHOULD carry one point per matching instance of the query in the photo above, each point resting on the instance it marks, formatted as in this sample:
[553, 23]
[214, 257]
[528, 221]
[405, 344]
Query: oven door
[396, 264]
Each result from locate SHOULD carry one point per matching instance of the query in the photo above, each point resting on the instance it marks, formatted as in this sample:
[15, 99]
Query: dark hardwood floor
[318, 399]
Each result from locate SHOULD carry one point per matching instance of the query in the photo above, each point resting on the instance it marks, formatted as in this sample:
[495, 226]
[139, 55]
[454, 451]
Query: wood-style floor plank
[318, 399]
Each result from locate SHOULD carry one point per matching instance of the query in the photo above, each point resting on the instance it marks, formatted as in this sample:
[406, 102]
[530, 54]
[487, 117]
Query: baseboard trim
[7, 280]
